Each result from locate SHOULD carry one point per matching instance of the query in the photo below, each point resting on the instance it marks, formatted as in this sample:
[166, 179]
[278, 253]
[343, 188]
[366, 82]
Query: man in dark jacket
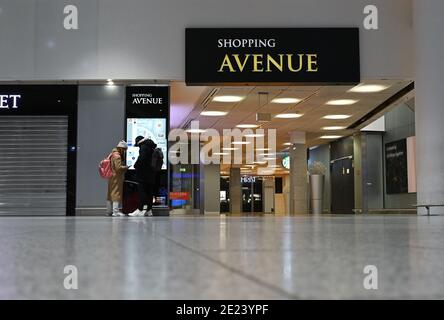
[145, 176]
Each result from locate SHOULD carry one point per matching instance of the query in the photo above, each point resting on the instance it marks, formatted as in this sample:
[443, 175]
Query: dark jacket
[144, 171]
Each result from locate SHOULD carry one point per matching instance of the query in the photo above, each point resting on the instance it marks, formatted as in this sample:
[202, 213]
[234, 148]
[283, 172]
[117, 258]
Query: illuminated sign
[272, 56]
[9, 101]
[248, 179]
[180, 195]
[286, 162]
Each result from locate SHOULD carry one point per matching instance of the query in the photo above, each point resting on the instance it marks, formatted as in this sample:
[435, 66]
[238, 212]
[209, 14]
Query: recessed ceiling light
[195, 130]
[334, 128]
[260, 162]
[240, 142]
[255, 135]
[285, 100]
[228, 98]
[288, 115]
[267, 154]
[262, 149]
[247, 126]
[367, 88]
[213, 113]
[287, 144]
[330, 137]
[230, 149]
[269, 158]
[341, 102]
[337, 116]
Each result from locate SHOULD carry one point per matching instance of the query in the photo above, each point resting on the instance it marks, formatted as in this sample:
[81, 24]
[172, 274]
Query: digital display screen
[152, 128]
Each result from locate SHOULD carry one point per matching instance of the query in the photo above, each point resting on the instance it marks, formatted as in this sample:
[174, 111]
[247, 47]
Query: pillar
[210, 189]
[298, 174]
[235, 191]
[429, 100]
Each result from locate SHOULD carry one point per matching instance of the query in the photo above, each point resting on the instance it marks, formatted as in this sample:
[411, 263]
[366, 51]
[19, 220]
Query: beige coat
[115, 183]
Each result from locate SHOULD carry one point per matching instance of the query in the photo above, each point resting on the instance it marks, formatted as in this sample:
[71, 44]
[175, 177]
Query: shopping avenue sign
[243, 56]
[9, 101]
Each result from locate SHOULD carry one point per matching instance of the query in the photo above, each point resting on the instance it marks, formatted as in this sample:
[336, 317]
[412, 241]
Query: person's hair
[121, 151]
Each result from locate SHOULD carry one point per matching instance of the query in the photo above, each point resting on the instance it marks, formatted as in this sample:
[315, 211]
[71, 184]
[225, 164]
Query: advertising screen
[152, 128]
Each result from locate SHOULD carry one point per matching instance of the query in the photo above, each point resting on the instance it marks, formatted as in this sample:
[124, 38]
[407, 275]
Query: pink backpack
[105, 167]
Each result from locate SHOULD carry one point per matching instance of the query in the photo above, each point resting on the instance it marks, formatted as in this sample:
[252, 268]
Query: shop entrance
[33, 165]
[342, 186]
[38, 137]
[252, 198]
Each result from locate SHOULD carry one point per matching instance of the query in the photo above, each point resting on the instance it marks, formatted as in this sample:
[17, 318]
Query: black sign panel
[38, 99]
[396, 167]
[147, 102]
[272, 56]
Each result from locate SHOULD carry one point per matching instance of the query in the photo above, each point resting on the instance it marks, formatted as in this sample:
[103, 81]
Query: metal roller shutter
[33, 162]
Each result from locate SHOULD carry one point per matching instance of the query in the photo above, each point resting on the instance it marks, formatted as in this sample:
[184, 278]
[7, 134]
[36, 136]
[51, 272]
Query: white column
[298, 174]
[429, 99]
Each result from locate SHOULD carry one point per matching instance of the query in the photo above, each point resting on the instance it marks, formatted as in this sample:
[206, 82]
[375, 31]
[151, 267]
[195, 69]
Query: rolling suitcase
[161, 211]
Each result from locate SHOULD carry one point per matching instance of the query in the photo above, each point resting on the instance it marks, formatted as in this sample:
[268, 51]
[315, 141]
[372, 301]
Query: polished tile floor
[221, 257]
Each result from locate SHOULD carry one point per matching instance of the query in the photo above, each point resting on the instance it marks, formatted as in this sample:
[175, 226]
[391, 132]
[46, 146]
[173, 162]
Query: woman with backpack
[145, 176]
[115, 182]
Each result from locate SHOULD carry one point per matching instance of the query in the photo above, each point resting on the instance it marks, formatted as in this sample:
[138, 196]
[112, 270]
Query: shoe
[141, 213]
[119, 214]
[108, 214]
[148, 213]
[135, 213]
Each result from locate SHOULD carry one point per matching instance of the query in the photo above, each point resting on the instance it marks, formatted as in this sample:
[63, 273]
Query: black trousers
[145, 195]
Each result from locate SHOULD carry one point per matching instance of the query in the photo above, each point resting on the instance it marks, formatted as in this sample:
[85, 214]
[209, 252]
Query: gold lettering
[239, 64]
[226, 63]
[277, 62]
[312, 65]
[257, 63]
[279, 66]
[290, 62]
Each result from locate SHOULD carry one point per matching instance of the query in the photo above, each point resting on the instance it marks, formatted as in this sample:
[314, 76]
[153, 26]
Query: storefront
[38, 126]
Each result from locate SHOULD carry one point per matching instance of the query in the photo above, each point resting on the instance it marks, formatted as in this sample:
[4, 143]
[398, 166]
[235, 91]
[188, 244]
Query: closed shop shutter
[33, 165]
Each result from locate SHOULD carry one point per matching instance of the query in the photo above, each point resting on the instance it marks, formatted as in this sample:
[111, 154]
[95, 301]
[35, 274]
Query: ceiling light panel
[337, 116]
[288, 115]
[341, 102]
[213, 113]
[286, 100]
[228, 98]
[368, 88]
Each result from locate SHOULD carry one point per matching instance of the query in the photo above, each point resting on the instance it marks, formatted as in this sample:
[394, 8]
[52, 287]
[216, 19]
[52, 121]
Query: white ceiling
[313, 107]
